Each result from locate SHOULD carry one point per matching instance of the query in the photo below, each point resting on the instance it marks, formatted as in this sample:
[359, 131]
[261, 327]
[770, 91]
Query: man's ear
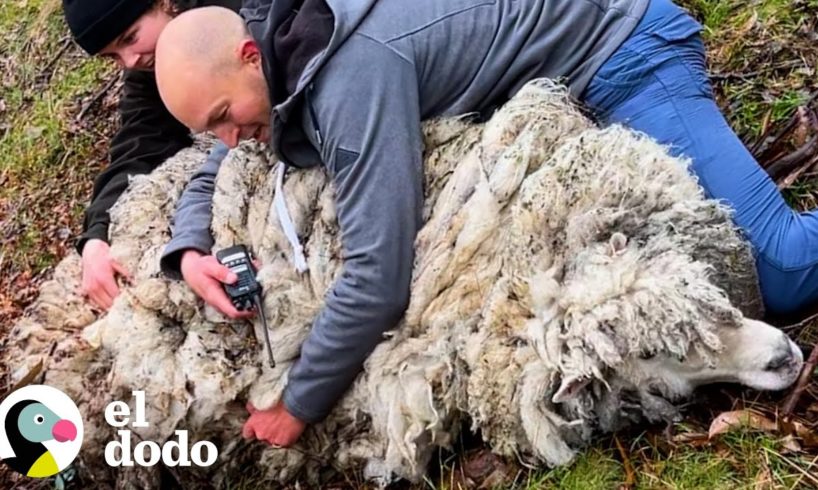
[249, 53]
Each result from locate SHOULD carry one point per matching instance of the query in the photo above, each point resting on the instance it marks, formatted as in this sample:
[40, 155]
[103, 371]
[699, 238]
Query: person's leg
[657, 83]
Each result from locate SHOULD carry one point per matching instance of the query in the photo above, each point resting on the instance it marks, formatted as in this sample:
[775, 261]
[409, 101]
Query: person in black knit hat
[126, 31]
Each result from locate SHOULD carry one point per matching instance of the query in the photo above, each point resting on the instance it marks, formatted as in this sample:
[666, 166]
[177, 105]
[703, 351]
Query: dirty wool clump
[552, 250]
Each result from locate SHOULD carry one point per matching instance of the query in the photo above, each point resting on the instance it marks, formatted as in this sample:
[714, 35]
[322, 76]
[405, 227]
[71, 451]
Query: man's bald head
[208, 67]
[206, 36]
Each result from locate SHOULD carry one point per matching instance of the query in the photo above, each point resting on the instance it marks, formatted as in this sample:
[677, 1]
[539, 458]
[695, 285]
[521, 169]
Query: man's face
[238, 109]
[225, 94]
[134, 48]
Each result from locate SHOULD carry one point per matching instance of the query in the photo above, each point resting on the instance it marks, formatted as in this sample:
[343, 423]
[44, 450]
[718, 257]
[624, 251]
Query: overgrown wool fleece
[551, 249]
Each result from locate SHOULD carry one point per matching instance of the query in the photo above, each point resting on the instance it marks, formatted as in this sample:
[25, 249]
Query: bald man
[346, 83]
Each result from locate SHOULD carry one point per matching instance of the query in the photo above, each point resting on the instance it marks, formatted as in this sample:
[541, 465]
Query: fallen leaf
[740, 418]
[29, 376]
[691, 438]
[495, 480]
[802, 129]
[750, 23]
[790, 444]
[808, 436]
[34, 132]
[483, 469]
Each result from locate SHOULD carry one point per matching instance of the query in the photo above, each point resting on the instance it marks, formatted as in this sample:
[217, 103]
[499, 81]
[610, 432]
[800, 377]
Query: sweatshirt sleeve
[370, 120]
[148, 136]
[191, 221]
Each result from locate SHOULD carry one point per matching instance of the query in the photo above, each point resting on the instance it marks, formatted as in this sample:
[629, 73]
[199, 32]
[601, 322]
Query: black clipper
[245, 293]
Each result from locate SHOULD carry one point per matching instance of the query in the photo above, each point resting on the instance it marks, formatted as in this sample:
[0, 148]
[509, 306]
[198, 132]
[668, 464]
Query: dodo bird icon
[28, 424]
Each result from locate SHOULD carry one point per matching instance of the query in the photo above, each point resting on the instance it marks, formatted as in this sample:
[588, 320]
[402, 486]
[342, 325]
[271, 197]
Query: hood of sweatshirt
[296, 38]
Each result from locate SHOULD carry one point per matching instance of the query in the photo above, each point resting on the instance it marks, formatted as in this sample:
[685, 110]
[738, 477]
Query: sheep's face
[756, 355]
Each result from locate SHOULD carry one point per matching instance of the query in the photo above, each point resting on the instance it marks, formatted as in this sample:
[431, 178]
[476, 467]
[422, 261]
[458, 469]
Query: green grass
[45, 170]
[714, 14]
[739, 460]
[689, 470]
[595, 469]
[758, 48]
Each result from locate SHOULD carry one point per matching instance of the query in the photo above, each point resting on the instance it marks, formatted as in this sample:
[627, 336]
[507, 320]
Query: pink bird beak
[64, 430]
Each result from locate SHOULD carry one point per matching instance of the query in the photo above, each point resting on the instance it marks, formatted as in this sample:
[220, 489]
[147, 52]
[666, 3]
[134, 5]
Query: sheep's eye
[39, 419]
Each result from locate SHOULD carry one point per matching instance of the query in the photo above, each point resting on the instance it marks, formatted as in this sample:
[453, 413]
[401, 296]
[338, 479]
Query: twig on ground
[753, 74]
[801, 384]
[798, 172]
[630, 475]
[785, 459]
[784, 164]
[98, 96]
[768, 140]
[67, 42]
[806, 470]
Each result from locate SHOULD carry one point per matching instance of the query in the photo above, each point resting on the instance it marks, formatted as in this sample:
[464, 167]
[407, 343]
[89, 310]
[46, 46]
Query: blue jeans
[657, 83]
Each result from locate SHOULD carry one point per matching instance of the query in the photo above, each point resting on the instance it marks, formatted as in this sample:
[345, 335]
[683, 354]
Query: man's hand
[275, 426]
[205, 275]
[99, 272]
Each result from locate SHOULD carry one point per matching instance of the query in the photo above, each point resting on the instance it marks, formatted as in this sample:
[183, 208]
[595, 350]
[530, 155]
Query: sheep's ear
[569, 387]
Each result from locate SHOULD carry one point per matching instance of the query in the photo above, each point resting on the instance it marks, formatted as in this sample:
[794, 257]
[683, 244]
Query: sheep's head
[756, 355]
[753, 354]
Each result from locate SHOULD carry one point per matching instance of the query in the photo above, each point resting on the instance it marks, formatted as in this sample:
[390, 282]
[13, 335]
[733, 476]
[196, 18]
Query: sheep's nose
[64, 430]
[779, 361]
[788, 355]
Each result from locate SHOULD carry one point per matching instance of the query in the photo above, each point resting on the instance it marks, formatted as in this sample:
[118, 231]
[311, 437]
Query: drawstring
[287, 222]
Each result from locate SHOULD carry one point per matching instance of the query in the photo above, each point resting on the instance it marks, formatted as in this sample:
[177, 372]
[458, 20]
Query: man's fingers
[207, 283]
[92, 298]
[247, 431]
[101, 291]
[101, 300]
[220, 273]
[272, 442]
[217, 298]
[108, 285]
[121, 270]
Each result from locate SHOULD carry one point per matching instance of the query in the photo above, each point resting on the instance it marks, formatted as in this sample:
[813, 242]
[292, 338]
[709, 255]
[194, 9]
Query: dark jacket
[356, 109]
[148, 135]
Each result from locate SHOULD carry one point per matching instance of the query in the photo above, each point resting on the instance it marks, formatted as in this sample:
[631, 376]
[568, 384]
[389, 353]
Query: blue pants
[657, 83]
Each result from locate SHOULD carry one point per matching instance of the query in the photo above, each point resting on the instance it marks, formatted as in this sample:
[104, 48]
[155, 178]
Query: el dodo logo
[41, 431]
[149, 453]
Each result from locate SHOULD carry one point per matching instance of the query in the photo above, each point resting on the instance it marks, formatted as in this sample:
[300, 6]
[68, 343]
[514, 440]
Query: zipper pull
[318, 138]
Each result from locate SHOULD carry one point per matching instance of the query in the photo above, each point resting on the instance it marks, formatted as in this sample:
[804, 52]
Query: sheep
[568, 280]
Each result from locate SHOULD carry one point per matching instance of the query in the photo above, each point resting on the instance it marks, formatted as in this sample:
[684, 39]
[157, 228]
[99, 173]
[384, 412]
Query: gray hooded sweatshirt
[357, 110]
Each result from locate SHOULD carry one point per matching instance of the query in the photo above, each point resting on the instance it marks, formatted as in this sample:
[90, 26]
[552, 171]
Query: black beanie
[95, 23]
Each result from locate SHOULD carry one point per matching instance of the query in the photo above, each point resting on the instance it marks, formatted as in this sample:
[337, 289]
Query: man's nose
[130, 60]
[228, 134]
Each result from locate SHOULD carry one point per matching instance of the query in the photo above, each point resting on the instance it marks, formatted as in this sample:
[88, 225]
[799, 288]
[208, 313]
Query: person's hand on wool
[205, 275]
[275, 426]
[99, 271]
